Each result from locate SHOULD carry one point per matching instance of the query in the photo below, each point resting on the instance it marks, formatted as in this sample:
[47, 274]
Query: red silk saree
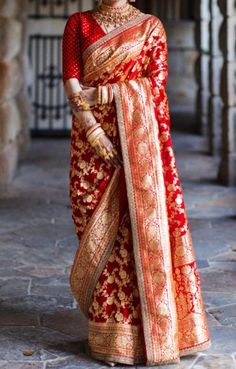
[134, 274]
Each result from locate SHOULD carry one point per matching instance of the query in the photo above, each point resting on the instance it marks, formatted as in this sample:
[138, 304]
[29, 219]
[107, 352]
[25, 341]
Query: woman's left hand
[89, 94]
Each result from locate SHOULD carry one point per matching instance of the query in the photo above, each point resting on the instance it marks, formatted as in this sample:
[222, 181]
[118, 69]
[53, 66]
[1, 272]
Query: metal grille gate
[51, 115]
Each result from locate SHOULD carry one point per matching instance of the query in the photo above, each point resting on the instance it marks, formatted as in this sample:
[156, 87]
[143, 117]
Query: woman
[134, 274]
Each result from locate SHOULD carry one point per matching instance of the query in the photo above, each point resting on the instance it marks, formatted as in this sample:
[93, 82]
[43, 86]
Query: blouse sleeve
[71, 51]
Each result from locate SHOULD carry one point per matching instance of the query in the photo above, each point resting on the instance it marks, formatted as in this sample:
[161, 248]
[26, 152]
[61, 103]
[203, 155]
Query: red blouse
[81, 30]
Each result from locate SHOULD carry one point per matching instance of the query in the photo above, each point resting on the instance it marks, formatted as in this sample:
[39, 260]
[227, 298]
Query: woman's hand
[107, 147]
[89, 94]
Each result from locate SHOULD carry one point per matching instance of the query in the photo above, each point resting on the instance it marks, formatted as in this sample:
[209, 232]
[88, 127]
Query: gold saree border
[104, 56]
[109, 333]
[149, 310]
[125, 342]
[136, 117]
[96, 245]
[115, 32]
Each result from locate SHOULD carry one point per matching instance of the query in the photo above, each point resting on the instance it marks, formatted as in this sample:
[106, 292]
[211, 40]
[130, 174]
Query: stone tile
[211, 320]
[14, 318]
[192, 171]
[44, 258]
[201, 264]
[225, 315]
[31, 203]
[41, 271]
[204, 205]
[34, 304]
[16, 252]
[229, 266]
[3, 364]
[13, 287]
[70, 322]
[223, 340]
[44, 343]
[185, 363]
[42, 236]
[218, 280]
[229, 256]
[51, 286]
[23, 365]
[7, 225]
[82, 361]
[212, 298]
[214, 362]
[209, 240]
[8, 272]
[67, 247]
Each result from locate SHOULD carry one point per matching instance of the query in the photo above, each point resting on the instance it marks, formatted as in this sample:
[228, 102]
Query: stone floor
[40, 326]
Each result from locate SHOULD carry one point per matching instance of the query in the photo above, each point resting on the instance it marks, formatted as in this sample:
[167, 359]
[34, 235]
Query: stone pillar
[14, 105]
[216, 65]
[203, 16]
[227, 171]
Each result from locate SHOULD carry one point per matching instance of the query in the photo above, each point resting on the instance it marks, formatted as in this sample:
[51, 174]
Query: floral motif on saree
[134, 274]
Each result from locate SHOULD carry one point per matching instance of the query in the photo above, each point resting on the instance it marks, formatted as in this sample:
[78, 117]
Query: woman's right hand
[87, 120]
[106, 144]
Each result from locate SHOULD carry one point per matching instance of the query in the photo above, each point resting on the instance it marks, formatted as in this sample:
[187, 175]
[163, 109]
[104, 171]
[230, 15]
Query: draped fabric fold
[135, 274]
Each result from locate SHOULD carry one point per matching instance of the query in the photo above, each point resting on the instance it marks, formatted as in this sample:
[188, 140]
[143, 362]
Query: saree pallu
[134, 274]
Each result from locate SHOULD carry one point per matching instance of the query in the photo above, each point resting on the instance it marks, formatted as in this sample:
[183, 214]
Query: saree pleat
[135, 274]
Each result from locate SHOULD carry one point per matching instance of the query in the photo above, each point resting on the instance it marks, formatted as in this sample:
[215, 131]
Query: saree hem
[142, 360]
[124, 340]
[201, 347]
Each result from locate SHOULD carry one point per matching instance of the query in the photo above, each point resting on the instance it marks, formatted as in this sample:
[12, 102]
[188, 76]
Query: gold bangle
[96, 142]
[99, 95]
[76, 100]
[110, 93]
[105, 95]
[94, 135]
[91, 129]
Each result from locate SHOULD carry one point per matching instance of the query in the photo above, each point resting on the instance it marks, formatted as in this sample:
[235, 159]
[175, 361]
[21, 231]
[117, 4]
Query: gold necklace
[109, 15]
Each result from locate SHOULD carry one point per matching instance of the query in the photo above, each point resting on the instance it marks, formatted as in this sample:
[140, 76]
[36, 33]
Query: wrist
[77, 102]
[92, 128]
[94, 135]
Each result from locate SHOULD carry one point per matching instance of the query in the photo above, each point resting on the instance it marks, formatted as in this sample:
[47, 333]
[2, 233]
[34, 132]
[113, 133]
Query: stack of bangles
[105, 96]
[93, 134]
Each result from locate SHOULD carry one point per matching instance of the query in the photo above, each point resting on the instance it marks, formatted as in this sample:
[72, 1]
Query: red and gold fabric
[134, 273]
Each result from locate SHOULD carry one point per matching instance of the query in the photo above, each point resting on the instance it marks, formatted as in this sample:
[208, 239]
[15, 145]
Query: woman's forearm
[85, 117]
